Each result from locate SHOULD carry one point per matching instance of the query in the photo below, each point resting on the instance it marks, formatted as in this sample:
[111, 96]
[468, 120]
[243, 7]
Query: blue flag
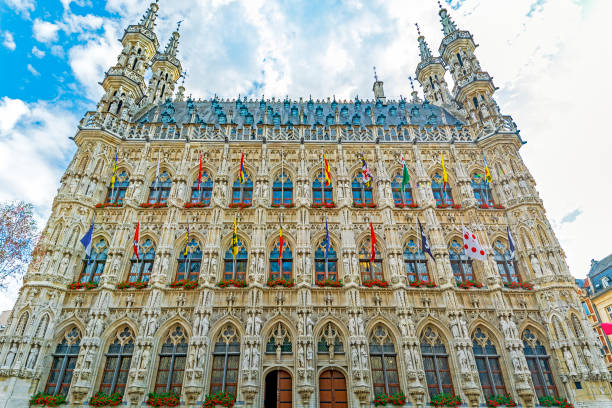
[510, 243]
[326, 239]
[86, 241]
[424, 243]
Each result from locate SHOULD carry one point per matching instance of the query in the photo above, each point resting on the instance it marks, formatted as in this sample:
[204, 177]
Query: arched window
[203, 193]
[116, 192]
[415, 263]
[326, 267]
[236, 266]
[172, 363]
[461, 264]
[282, 191]
[487, 363]
[242, 193]
[189, 262]
[160, 189]
[322, 194]
[505, 263]
[370, 270]
[330, 341]
[482, 191]
[362, 194]
[287, 262]
[383, 361]
[442, 194]
[118, 361]
[93, 268]
[279, 341]
[402, 194]
[226, 360]
[141, 268]
[64, 361]
[538, 362]
[435, 363]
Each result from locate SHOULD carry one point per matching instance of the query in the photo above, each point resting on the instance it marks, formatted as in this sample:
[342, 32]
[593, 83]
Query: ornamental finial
[411, 83]
[178, 25]
[418, 29]
[375, 76]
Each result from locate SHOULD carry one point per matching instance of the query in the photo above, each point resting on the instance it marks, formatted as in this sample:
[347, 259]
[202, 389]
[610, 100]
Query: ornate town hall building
[351, 302]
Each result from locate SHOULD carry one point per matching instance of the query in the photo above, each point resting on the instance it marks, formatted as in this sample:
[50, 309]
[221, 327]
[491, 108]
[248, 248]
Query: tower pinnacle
[448, 25]
[379, 93]
[148, 20]
[423, 47]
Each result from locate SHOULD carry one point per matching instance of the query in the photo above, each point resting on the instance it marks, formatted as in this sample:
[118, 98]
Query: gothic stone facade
[303, 345]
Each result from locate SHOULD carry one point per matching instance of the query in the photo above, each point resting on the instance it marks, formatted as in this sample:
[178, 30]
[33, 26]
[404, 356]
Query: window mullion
[226, 355]
[116, 371]
[437, 371]
[171, 370]
[60, 378]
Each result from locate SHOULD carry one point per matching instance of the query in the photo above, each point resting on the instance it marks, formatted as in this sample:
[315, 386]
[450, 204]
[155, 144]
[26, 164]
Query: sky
[548, 58]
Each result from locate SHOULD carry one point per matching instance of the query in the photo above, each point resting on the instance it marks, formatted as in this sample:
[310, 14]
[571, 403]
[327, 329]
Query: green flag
[405, 175]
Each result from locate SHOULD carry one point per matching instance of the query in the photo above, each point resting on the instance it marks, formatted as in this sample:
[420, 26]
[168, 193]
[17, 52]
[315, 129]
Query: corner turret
[166, 71]
[430, 74]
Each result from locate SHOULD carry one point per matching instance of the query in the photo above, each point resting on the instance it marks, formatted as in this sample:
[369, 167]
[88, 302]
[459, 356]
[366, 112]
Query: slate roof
[600, 270]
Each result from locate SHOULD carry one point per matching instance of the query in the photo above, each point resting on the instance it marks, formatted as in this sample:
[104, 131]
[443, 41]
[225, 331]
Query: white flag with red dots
[471, 245]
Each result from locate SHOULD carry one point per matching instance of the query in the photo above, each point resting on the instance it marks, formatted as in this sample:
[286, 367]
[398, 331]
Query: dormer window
[310, 105]
[356, 120]
[392, 110]
[357, 104]
[319, 111]
[380, 120]
[294, 111]
[262, 104]
[276, 119]
[605, 282]
[222, 119]
[344, 112]
[334, 105]
[378, 104]
[329, 120]
[286, 104]
[249, 119]
[368, 110]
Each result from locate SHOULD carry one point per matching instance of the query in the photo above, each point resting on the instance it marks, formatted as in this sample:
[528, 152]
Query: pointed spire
[448, 25]
[148, 20]
[414, 93]
[172, 47]
[379, 93]
[423, 47]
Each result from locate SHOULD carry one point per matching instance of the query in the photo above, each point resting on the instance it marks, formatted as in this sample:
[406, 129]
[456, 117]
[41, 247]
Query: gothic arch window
[322, 194]
[326, 267]
[21, 324]
[116, 192]
[370, 269]
[482, 191]
[64, 361]
[172, 360]
[226, 361]
[41, 330]
[286, 261]
[118, 361]
[236, 266]
[242, 193]
[279, 341]
[383, 361]
[330, 341]
[415, 263]
[93, 268]
[461, 264]
[488, 365]
[160, 189]
[203, 193]
[442, 192]
[435, 363]
[362, 193]
[402, 196]
[189, 262]
[282, 191]
[538, 362]
[142, 266]
[505, 263]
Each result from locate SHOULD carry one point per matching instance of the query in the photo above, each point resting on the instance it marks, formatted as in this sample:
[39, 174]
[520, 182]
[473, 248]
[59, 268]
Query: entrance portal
[278, 390]
[332, 389]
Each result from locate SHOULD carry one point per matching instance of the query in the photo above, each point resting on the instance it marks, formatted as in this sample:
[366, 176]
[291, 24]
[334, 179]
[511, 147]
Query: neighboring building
[300, 344]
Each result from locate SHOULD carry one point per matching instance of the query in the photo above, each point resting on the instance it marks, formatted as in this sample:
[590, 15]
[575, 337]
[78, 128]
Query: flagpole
[324, 179]
[282, 203]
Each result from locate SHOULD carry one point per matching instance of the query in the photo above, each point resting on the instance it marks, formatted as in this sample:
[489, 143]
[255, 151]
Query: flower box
[484, 206]
[328, 283]
[103, 400]
[240, 205]
[153, 205]
[224, 283]
[224, 399]
[445, 400]
[364, 205]
[106, 205]
[469, 284]
[290, 205]
[196, 205]
[324, 205]
[164, 399]
[499, 207]
[423, 284]
[47, 400]
[443, 205]
[375, 282]
[411, 205]
[500, 401]
[518, 285]
[185, 284]
[456, 206]
[129, 285]
[272, 283]
[83, 285]
[397, 399]
[550, 401]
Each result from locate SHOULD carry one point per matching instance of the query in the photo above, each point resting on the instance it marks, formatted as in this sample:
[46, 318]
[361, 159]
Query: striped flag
[486, 168]
[235, 247]
[242, 174]
[424, 243]
[280, 254]
[373, 241]
[511, 246]
[187, 244]
[405, 175]
[86, 241]
[367, 175]
[444, 174]
[326, 171]
[200, 172]
[137, 240]
[114, 177]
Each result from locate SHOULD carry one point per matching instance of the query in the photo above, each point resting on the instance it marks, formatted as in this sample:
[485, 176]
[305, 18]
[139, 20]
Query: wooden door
[285, 392]
[332, 390]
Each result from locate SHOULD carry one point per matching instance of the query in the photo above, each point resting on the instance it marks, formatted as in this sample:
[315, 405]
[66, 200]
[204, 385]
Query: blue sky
[547, 57]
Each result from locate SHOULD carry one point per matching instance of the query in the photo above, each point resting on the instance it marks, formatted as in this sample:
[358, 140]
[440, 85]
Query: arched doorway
[332, 389]
[278, 390]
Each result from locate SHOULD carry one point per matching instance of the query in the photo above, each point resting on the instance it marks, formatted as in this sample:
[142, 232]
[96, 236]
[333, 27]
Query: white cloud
[45, 31]
[37, 52]
[58, 51]
[8, 41]
[33, 70]
[22, 6]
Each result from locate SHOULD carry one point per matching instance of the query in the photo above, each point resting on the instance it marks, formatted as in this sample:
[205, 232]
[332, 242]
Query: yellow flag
[187, 244]
[235, 248]
[444, 175]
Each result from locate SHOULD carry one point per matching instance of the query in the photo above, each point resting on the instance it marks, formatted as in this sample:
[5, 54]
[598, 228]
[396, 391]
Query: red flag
[280, 255]
[326, 171]
[373, 241]
[200, 172]
[137, 240]
[607, 328]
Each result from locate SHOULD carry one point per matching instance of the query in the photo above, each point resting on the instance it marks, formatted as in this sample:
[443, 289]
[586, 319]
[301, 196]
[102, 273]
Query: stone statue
[246, 362]
[309, 325]
[301, 363]
[144, 361]
[463, 360]
[309, 356]
[569, 361]
[535, 264]
[32, 358]
[516, 361]
[249, 326]
[364, 357]
[355, 357]
[408, 359]
[403, 327]
[257, 324]
[359, 324]
[255, 359]
[10, 357]
[352, 327]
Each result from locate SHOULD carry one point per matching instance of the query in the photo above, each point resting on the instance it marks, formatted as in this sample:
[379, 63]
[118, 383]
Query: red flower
[224, 283]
